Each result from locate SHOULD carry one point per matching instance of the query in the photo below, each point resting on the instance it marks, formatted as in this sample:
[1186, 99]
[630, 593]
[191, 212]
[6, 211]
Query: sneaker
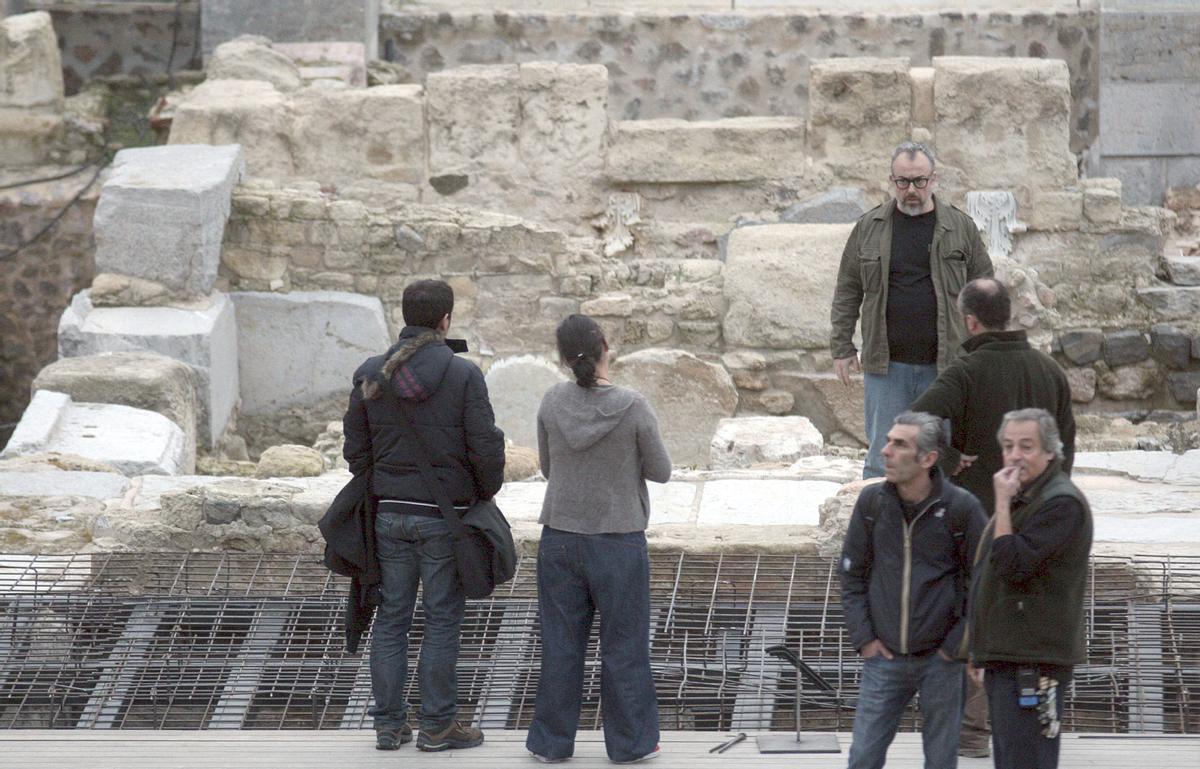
[453, 737]
[392, 739]
[649, 756]
[545, 760]
[974, 751]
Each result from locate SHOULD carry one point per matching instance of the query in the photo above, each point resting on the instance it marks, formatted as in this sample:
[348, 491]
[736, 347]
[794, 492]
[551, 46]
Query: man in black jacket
[1027, 597]
[996, 372]
[904, 571]
[447, 401]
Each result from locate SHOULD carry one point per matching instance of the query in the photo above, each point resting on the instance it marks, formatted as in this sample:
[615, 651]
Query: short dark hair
[426, 302]
[987, 299]
[581, 346]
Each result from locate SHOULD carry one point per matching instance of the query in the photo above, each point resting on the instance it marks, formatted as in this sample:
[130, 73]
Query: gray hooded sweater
[598, 446]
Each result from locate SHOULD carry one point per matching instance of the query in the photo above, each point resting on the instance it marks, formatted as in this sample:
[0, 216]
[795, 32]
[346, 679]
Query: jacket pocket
[954, 271]
[871, 270]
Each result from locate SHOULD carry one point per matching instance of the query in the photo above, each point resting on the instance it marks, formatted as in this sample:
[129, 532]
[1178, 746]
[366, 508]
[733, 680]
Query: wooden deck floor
[42, 749]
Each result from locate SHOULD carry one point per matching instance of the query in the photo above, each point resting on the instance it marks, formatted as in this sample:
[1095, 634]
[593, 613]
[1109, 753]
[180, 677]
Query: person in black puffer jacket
[447, 401]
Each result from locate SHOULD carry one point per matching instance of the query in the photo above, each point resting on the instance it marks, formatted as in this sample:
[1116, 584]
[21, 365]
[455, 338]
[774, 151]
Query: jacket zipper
[906, 588]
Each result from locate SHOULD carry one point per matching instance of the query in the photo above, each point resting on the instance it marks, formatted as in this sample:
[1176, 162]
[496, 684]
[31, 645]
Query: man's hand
[1006, 483]
[975, 673]
[874, 648]
[844, 367]
[964, 461]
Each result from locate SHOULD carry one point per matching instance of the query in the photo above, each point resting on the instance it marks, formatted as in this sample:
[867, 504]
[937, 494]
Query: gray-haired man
[905, 570]
[902, 266]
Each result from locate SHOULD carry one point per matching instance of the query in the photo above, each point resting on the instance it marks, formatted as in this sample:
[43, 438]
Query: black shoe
[392, 739]
[453, 737]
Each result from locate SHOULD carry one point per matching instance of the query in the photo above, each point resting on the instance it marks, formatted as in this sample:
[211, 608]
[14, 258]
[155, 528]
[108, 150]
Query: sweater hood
[414, 367]
[1000, 341]
[587, 414]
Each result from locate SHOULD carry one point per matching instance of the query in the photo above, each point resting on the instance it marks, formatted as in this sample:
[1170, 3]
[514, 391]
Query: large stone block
[205, 339]
[1143, 179]
[459, 142]
[737, 149]
[564, 120]
[779, 282]
[1172, 302]
[689, 396]
[516, 386]
[134, 441]
[56, 483]
[859, 110]
[295, 21]
[344, 135]
[162, 213]
[1144, 45]
[835, 409]
[1003, 123]
[252, 58]
[251, 113]
[750, 441]
[31, 66]
[1138, 119]
[142, 380]
[303, 347]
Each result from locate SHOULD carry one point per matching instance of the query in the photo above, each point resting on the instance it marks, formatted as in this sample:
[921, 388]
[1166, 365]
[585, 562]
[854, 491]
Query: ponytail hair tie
[579, 356]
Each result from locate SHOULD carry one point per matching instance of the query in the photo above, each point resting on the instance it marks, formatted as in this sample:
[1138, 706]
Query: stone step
[1184, 270]
[134, 441]
[1172, 302]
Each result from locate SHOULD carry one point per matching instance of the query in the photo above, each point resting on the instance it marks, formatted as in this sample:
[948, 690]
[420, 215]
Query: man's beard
[909, 210]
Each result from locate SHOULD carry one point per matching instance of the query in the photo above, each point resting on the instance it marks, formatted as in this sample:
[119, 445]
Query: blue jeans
[885, 396]
[579, 574]
[1017, 739]
[414, 548]
[885, 690]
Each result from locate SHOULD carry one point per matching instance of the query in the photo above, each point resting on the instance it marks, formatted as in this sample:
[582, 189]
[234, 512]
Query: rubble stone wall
[704, 66]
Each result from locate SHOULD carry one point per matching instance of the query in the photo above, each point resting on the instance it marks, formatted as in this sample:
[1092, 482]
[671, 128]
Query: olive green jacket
[957, 256]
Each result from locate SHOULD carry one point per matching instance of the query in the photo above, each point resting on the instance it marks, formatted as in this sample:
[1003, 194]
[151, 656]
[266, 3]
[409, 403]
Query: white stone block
[299, 348]
[162, 212]
[57, 483]
[736, 149]
[516, 386]
[749, 441]
[134, 441]
[205, 339]
[30, 63]
[764, 502]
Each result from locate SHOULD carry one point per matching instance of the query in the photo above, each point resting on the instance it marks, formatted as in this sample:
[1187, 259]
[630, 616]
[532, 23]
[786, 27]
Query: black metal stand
[821, 742]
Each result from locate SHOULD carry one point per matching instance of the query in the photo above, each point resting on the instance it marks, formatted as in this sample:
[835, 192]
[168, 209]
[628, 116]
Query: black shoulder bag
[484, 551]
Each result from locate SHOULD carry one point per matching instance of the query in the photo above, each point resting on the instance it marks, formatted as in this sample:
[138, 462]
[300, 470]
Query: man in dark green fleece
[1027, 593]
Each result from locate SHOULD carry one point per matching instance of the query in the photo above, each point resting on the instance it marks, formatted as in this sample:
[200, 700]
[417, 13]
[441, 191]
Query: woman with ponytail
[598, 444]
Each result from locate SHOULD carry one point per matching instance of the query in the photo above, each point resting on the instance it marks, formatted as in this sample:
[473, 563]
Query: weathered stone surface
[1172, 302]
[1102, 200]
[142, 380]
[162, 212]
[302, 347]
[1055, 210]
[57, 483]
[564, 119]
[981, 141]
[1124, 347]
[750, 441]
[833, 407]
[758, 502]
[839, 205]
[251, 113]
[251, 57]
[1183, 270]
[520, 463]
[351, 134]
[688, 395]
[1140, 119]
[767, 269]
[1130, 382]
[1083, 384]
[112, 290]
[1183, 385]
[343, 61]
[290, 461]
[1082, 346]
[204, 339]
[516, 386]
[291, 21]
[1170, 346]
[923, 112]
[133, 441]
[736, 149]
[777, 402]
[859, 110]
[31, 63]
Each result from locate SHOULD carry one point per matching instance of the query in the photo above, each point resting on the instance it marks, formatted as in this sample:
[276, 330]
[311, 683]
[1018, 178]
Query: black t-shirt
[911, 304]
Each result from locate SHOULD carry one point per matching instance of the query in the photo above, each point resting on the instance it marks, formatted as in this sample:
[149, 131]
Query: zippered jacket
[906, 583]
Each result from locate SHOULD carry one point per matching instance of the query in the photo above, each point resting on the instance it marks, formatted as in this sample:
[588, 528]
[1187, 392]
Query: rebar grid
[254, 641]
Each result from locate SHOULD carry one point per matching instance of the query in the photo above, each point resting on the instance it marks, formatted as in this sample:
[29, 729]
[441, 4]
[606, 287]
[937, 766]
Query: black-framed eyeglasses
[902, 182]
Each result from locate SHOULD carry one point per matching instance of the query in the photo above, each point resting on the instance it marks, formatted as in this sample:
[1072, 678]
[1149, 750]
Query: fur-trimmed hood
[415, 366]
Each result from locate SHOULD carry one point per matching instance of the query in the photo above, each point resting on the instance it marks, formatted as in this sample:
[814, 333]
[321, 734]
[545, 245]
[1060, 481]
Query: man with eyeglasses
[903, 267]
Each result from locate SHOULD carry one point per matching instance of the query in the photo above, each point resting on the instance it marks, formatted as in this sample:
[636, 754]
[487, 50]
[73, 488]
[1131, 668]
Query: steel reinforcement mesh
[208, 641]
